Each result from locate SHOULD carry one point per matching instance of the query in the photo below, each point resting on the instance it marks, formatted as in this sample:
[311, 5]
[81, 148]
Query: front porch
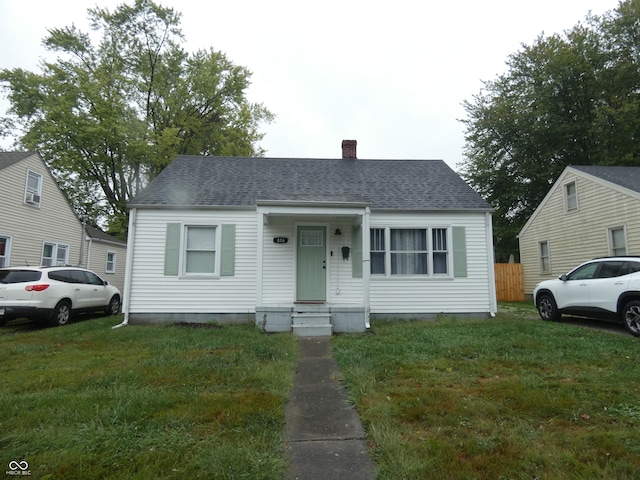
[309, 320]
[311, 277]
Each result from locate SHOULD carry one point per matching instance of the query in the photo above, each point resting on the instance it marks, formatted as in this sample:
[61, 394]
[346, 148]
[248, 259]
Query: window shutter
[459, 252]
[356, 252]
[172, 249]
[228, 250]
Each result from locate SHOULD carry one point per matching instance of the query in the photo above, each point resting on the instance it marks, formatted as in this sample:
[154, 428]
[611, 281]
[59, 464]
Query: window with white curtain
[409, 251]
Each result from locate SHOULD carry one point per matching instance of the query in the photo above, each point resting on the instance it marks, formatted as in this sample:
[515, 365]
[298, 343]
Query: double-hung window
[571, 197]
[618, 241]
[5, 248]
[200, 249]
[54, 254]
[110, 267]
[33, 190]
[410, 251]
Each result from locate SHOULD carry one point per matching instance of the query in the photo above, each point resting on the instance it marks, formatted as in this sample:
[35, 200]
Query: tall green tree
[109, 116]
[568, 98]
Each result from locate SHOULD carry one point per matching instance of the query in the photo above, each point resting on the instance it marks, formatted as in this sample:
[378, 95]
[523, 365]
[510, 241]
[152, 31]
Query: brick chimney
[349, 148]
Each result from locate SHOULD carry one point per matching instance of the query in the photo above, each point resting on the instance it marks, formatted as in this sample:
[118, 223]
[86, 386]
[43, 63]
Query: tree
[566, 99]
[109, 117]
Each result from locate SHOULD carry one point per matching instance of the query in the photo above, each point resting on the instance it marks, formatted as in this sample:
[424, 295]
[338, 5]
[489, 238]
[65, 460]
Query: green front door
[312, 269]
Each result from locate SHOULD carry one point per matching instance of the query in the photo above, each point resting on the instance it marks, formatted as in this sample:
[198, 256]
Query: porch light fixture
[337, 232]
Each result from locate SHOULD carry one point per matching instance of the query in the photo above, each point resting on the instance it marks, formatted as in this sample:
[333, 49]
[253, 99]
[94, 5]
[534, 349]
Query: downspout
[128, 273]
[82, 240]
[491, 267]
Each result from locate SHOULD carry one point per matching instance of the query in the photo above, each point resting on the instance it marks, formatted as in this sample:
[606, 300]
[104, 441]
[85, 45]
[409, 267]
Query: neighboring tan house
[37, 224]
[310, 245]
[105, 255]
[591, 211]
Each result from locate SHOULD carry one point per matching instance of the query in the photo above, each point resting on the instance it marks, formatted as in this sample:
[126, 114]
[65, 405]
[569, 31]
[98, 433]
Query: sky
[391, 75]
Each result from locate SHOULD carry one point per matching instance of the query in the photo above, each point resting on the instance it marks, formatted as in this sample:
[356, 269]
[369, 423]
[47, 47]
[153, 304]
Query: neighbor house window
[618, 241]
[5, 247]
[571, 196]
[410, 251]
[200, 249]
[545, 264]
[111, 262]
[33, 190]
[55, 254]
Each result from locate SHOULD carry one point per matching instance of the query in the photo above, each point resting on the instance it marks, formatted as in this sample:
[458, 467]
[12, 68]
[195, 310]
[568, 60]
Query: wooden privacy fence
[509, 282]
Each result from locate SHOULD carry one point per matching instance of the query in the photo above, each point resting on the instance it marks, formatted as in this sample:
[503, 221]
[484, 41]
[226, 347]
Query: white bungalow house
[590, 211]
[312, 246]
[39, 227]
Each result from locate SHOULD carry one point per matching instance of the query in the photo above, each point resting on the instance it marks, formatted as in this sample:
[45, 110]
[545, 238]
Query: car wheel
[547, 308]
[631, 317]
[61, 314]
[114, 306]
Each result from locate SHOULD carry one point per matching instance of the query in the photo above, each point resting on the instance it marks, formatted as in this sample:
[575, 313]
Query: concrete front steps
[308, 320]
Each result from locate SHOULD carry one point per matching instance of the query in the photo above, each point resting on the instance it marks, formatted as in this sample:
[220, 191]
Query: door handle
[324, 264]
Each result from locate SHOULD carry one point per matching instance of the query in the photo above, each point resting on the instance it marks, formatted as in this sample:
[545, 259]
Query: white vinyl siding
[153, 291]
[583, 235]
[470, 290]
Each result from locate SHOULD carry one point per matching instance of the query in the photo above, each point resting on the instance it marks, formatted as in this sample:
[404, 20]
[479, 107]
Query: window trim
[429, 229]
[37, 192]
[541, 257]
[54, 257]
[610, 231]
[217, 251]
[568, 208]
[5, 260]
[113, 262]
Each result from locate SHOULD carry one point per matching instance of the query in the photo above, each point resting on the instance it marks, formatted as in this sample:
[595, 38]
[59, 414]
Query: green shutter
[356, 252]
[459, 252]
[228, 247]
[172, 249]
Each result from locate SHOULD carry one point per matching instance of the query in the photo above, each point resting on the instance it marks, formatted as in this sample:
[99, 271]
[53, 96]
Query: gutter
[128, 268]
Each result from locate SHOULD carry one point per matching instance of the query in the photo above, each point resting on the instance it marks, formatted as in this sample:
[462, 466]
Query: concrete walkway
[324, 434]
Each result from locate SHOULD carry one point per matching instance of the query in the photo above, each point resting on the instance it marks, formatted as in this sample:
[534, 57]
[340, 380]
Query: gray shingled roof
[240, 181]
[9, 158]
[627, 177]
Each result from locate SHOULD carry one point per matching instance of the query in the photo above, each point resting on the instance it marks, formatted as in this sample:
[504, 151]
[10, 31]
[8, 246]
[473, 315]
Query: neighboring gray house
[37, 224]
[591, 211]
[310, 245]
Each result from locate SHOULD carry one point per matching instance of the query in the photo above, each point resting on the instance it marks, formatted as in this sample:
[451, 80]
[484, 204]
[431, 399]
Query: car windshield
[19, 276]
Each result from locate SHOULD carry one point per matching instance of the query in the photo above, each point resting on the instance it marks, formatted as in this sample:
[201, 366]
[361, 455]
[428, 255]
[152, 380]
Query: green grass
[84, 401]
[507, 398]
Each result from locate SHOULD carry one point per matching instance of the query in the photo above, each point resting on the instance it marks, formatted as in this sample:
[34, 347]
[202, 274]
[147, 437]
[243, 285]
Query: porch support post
[259, 254]
[366, 265]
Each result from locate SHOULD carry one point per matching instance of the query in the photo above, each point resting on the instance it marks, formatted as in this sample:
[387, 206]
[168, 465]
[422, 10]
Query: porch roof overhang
[312, 208]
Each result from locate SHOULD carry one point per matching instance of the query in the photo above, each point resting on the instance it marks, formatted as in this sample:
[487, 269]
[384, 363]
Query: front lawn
[508, 398]
[84, 401]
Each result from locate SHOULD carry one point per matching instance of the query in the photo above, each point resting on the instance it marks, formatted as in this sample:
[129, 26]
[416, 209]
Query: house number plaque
[280, 239]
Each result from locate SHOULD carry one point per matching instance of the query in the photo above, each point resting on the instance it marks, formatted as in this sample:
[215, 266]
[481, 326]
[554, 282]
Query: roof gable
[623, 179]
[192, 181]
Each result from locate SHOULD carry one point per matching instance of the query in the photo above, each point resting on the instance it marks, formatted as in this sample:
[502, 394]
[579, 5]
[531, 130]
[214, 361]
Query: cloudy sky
[391, 75]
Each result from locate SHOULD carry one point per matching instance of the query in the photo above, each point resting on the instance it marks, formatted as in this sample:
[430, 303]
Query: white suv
[606, 288]
[53, 294]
